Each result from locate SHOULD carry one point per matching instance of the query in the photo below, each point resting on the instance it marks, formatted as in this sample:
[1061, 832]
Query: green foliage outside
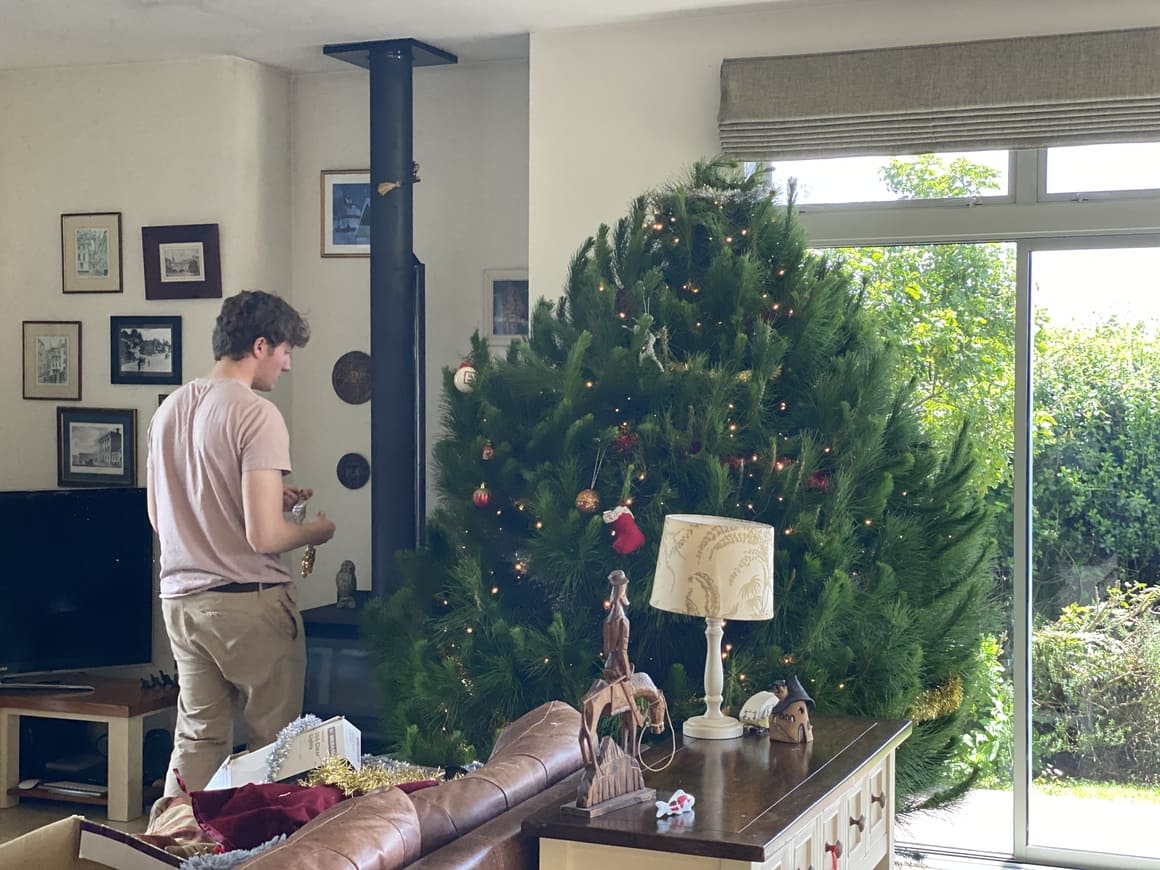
[1097, 461]
[948, 310]
[1097, 689]
[701, 360]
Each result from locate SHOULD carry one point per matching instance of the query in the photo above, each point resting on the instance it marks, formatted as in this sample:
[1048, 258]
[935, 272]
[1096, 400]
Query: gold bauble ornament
[588, 501]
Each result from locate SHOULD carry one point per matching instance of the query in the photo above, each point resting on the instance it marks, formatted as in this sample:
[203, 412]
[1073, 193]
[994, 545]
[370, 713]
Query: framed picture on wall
[182, 262]
[145, 350]
[346, 212]
[506, 306]
[90, 252]
[52, 359]
[96, 446]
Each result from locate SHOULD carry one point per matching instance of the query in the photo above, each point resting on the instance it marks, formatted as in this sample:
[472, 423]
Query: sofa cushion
[538, 749]
[501, 844]
[376, 831]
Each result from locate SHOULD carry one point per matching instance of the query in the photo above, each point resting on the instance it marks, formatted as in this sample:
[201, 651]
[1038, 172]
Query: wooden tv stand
[119, 703]
[759, 806]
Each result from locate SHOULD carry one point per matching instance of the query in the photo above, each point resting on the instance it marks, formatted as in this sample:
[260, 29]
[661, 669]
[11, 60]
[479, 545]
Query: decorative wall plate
[353, 470]
[351, 377]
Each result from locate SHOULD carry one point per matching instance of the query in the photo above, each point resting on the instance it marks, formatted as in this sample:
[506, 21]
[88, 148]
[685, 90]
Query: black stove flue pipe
[398, 451]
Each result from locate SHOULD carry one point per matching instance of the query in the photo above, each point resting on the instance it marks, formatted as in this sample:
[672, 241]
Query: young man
[217, 454]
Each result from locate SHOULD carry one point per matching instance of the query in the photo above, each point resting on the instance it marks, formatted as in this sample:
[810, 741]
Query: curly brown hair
[254, 314]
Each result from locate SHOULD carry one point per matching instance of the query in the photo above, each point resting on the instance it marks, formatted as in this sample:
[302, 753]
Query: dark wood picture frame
[52, 359]
[96, 446]
[182, 262]
[90, 253]
[145, 350]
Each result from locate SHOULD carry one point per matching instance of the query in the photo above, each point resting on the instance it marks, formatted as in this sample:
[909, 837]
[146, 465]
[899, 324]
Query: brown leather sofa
[471, 822]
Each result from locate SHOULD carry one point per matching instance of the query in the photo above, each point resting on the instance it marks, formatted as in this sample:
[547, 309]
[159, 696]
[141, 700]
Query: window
[976, 300]
[1102, 168]
[881, 179]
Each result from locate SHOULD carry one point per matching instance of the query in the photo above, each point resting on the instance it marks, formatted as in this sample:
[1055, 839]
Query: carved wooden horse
[619, 698]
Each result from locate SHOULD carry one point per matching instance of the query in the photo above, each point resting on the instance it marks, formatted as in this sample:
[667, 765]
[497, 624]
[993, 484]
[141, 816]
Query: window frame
[1119, 219]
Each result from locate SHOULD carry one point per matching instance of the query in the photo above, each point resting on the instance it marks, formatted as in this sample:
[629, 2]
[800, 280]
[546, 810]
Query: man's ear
[259, 347]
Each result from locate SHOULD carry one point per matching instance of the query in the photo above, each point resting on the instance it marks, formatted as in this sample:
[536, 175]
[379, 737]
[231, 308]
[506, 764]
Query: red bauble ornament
[625, 441]
[819, 480]
[627, 536]
[481, 498]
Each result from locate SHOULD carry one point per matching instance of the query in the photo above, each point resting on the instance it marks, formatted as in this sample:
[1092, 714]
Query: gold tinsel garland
[938, 702]
[374, 773]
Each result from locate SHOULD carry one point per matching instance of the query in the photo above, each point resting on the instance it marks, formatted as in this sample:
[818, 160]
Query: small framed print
[145, 350]
[90, 252]
[182, 262]
[346, 212]
[506, 306]
[96, 446]
[52, 359]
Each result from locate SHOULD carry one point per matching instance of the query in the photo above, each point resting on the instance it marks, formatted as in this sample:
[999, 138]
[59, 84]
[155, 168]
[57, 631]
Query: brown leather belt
[244, 587]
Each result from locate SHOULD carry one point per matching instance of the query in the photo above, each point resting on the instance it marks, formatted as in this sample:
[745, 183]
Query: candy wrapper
[298, 512]
[680, 802]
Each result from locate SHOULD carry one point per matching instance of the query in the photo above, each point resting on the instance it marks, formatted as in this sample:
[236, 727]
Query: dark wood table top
[749, 791]
[111, 697]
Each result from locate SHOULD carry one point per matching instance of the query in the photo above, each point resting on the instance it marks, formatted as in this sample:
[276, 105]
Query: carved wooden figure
[612, 777]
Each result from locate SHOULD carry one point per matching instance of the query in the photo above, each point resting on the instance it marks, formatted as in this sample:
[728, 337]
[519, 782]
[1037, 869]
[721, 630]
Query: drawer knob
[859, 823]
[879, 798]
[836, 848]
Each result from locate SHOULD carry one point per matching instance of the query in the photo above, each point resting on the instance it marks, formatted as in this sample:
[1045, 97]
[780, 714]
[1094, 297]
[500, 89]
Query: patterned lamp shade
[715, 567]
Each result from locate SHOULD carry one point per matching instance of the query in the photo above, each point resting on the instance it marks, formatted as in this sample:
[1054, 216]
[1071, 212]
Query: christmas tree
[701, 360]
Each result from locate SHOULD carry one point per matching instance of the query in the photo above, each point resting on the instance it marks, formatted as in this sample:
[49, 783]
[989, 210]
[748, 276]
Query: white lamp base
[711, 727]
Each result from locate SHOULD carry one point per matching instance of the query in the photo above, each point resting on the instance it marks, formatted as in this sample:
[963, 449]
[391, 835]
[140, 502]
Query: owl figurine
[345, 581]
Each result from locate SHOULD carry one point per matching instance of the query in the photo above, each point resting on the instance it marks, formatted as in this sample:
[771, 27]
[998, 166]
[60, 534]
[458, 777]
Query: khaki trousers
[244, 647]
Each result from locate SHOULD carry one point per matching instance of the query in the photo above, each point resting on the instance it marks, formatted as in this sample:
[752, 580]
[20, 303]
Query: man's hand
[321, 529]
[291, 495]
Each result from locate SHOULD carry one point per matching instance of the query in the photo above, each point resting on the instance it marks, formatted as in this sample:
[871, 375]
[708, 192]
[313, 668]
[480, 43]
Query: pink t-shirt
[201, 440]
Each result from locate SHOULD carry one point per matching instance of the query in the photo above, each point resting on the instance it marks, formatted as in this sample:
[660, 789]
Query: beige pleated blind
[1031, 92]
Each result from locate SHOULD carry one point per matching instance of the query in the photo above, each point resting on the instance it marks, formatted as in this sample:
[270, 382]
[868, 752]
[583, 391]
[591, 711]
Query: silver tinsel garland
[282, 744]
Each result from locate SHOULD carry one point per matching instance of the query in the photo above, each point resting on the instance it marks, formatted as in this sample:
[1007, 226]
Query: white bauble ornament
[465, 378]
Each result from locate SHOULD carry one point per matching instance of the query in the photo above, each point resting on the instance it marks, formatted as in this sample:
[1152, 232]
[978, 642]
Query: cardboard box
[75, 843]
[309, 749]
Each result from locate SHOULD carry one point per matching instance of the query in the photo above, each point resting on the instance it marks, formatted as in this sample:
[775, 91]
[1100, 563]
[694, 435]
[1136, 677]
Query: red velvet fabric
[247, 816]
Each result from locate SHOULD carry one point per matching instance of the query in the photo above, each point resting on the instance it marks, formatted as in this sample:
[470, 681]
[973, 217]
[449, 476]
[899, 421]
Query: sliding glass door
[1087, 547]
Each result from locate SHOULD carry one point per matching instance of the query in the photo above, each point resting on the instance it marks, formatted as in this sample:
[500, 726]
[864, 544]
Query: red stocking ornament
[627, 535]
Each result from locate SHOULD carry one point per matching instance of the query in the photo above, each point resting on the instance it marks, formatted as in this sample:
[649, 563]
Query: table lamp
[720, 569]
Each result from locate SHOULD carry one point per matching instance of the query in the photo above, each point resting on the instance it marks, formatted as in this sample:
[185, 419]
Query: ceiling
[289, 34]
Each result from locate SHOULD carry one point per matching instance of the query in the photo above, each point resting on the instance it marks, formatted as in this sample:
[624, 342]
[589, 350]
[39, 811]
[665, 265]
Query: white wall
[230, 142]
[470, 138]
[616, 110]
[177, 143]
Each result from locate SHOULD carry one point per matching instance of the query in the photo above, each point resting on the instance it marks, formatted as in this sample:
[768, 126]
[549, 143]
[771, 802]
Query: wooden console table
[760, 806]
[121, 704]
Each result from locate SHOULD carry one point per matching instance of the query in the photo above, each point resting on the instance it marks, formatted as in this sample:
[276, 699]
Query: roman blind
[1031, 92]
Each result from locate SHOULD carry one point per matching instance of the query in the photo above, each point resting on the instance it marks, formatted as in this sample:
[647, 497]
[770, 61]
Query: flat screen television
[76, 581]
